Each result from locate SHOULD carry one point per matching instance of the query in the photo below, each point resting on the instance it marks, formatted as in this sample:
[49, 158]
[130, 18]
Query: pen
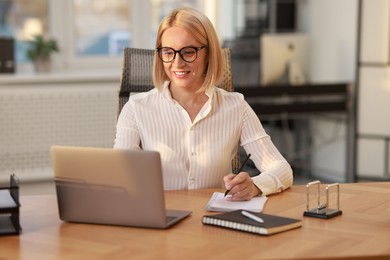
[252, 217]
[242, 166]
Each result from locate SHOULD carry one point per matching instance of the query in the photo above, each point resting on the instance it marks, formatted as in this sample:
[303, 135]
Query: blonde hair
[203, 31]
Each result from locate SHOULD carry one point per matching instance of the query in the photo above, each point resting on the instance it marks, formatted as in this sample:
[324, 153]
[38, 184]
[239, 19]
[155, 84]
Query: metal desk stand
[322, 210]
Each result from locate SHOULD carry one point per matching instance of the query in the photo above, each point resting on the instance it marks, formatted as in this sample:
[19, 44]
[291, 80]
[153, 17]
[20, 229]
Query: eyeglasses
[188, 54]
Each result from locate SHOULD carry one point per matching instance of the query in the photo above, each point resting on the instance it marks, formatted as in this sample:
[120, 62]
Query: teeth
[180, 72]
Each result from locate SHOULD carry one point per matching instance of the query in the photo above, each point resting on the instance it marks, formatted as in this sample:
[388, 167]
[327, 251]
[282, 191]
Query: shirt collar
[166, 93]
[210, 93]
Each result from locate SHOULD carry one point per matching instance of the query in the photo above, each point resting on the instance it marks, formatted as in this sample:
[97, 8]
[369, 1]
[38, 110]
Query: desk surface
[362, 231]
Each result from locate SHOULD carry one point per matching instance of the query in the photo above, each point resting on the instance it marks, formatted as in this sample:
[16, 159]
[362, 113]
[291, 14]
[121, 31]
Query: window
[21, 20]
[101, 27]
[90, 33]
[161, 8]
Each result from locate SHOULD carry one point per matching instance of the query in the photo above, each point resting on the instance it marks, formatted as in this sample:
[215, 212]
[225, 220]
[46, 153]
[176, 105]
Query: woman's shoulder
[152, 95]
[229, 94]
[142, 96]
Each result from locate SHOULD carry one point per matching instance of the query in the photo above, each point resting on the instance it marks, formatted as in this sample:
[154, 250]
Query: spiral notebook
[236, 220]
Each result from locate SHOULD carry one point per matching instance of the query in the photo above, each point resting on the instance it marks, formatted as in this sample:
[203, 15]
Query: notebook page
[220, 203]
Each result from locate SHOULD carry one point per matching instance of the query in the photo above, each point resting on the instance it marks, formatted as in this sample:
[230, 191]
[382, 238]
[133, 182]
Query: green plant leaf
[42, 48]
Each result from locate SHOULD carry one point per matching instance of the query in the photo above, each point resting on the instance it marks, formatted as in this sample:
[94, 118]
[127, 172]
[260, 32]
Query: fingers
[240, 178]
[240, 186]
[241, 195]
[229, 177]
[232, 179]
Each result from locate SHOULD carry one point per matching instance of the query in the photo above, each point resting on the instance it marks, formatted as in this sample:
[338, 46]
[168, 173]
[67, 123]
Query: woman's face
[184, 74]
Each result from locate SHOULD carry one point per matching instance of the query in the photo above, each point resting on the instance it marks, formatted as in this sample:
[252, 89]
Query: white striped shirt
[198, 154]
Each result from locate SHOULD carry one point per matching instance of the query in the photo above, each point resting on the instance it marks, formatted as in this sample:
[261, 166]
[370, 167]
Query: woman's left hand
[241, 186]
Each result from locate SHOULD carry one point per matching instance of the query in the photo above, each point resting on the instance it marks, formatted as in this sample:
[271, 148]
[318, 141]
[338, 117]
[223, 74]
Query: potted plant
[40, 51]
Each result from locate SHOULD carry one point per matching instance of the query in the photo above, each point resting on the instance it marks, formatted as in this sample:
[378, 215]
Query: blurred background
[74, 100]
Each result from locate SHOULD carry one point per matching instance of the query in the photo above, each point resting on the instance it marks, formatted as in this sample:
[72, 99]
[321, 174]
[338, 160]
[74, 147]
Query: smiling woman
[189, 74]
[194, 125]
[178, 30]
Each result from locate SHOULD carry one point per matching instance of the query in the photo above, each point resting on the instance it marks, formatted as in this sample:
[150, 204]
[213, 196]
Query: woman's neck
[190, 100]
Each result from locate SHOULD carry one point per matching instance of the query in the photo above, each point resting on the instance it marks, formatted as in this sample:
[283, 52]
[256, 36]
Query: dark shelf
[9, 208]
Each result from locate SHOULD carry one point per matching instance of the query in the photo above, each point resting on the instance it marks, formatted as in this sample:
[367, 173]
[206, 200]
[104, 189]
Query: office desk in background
[287, 105]
[305, 99]
[363, 231]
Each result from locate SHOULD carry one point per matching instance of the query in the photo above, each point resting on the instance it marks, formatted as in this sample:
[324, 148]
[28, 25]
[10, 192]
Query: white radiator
[33, 118]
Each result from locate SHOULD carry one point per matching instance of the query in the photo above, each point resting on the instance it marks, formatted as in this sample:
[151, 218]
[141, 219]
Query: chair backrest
[137, 76]
[137, 73]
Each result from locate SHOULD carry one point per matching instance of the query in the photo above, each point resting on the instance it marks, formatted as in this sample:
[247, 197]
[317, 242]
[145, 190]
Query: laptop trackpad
[174, 216]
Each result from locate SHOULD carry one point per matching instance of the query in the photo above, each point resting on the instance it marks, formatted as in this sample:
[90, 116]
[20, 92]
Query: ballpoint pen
[252, 217]
[242, 166]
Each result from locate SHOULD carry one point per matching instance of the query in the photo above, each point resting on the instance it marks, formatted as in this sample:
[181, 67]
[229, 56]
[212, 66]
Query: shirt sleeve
[275, 172]
[127, 134]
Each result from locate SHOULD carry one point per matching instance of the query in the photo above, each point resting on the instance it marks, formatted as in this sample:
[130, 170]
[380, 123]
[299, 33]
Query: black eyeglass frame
[180, 53]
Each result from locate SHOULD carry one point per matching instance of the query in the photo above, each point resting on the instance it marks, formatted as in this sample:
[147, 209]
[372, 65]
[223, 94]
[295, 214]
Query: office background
[76, 103]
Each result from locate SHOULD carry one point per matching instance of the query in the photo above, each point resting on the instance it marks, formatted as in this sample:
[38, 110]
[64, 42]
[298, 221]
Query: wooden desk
[363, 231]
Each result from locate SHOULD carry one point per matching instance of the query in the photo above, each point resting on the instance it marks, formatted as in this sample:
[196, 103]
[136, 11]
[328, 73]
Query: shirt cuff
[267, 183]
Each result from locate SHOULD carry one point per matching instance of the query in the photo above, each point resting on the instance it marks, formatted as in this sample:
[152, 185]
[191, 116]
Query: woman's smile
[181, 73]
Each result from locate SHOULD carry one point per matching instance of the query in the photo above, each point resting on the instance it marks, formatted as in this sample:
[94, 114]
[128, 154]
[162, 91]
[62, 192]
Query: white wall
[332, 29]
[374, 90]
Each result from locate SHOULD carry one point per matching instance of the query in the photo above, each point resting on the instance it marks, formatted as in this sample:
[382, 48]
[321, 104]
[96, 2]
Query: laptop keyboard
[170, 218]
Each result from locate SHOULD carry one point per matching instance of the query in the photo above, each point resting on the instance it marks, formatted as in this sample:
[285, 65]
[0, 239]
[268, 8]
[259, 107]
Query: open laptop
[112, 187]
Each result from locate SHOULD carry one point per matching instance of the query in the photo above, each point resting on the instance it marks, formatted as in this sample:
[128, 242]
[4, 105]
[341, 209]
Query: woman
[196, 126]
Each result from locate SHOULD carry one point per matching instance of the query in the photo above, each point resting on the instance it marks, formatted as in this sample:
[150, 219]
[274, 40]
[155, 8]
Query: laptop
[111, 187]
